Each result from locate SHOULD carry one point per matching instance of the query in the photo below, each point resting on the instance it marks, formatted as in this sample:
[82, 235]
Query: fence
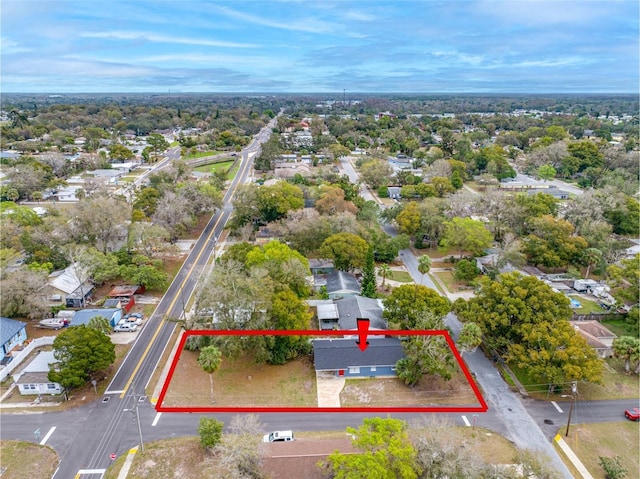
[22, 355]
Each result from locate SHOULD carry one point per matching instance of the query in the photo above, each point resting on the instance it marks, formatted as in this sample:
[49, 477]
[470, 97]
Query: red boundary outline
[160, 408]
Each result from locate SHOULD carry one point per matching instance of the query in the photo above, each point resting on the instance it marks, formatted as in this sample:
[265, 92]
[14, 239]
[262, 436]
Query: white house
[33, 380]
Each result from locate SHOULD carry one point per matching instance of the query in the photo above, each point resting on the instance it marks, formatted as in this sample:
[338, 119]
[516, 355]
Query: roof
[111, 303]
[9, 328]
[338, 281]
[33, 378]
[127, 290]
[66, 280]
[40, 363]
[332, 354]
[351, 308]
[83, 316]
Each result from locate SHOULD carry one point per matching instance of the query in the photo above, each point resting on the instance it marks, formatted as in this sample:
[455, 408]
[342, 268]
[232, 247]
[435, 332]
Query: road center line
[555, 405]
[156, 419]
[47, 436]
[466, 421]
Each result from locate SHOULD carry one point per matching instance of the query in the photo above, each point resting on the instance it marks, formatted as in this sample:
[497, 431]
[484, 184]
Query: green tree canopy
[386, 452]
[347, 250]
[408, 304]
[80, 353]
[466, 234]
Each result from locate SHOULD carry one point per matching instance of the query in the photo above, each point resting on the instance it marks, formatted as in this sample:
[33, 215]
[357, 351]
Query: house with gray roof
[85, 315]
[33, 379]
[350, 308]
[343, 357]
[12, 333]
[341, 284]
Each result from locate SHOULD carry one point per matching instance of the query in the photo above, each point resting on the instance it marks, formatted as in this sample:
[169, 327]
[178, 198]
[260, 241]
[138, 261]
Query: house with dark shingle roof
[350, 308]
[343, 357]
[12, 333]
[341, 284]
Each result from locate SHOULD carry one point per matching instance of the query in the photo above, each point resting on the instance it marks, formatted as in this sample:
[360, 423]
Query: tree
[238, 453]
[376, 173]
[210, 359]
[384, 270]
[100, 323]
[369, 285]
[157, 143]
[332, 201]
[284, 264]
[424, 265]
[425, 355]
[149, 276]
[387, 452]
[467, 235]
[547, 172]
[100, 221]
[408, 219]
[23, 294]
[627, 348]
[210, 432]
[591, 256]
[120, 153]
[470, 337]
[552, 243]
[613, 468]
[347, 250]
[408, 304]
[465, 270]
[290, 313]
[80, 352]
[274, 202]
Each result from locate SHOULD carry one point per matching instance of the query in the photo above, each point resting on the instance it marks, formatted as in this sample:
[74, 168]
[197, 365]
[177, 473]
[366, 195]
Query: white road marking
[47, 436]
[555, 405]
[157, 418]
[466, 421]
[91, 471]
[113, 392]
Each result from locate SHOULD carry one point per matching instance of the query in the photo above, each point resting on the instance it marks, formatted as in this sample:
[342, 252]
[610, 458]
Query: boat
[53, 323]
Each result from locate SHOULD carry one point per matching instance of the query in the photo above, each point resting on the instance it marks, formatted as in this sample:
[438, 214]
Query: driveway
[329, 387]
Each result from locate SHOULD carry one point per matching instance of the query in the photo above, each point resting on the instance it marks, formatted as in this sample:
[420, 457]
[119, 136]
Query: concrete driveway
[329, 387]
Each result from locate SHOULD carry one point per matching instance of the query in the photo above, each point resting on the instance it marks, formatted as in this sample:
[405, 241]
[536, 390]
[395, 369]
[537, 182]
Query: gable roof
[333, 354]
[9, 328]
[83, 316]
[350, 308]
[338, 281]
[66, 280]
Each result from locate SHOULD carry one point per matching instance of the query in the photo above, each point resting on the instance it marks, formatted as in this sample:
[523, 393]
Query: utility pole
[137, 414]
[574, 390]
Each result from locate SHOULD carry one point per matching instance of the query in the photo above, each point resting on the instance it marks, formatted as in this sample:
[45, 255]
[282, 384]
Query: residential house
[343, 356]
[83, 316]
[596, 335]
[340, 284]
[12, 334]
[327, 314]
[126, 295]
[33, 379]
[66, 285]
[350, 308]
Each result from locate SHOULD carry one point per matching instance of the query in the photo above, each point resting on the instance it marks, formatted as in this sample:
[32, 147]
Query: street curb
[124, 472]
[165, 371]
[577, 463]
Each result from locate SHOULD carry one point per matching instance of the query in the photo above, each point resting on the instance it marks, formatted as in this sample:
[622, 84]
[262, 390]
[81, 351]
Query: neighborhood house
[343, 357]
[33, 379]
[12, 334]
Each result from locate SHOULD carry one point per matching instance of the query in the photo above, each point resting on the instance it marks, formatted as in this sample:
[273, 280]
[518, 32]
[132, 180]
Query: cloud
[309, 24]
[152, 37]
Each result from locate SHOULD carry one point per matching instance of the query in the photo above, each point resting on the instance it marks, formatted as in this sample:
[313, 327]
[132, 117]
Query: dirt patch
[302, 456]
[25, 459]
[242, 383]
[391, 392]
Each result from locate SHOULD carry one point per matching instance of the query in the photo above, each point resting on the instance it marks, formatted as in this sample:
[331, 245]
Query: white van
[278, 436]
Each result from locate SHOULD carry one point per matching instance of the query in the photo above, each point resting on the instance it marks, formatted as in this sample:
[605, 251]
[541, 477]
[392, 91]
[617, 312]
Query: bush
[465, 270]
[210, 431]
[612, 467]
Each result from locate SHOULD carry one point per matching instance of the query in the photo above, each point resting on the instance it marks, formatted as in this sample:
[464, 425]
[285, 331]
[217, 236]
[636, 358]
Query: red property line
[235, 332]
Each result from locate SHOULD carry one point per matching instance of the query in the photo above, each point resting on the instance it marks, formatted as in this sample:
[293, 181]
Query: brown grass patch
[242, 383]
[590, 441]
[24, 459]
[391, 392]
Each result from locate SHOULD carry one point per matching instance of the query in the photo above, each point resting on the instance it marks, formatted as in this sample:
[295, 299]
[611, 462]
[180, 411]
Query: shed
[33, 379]
[12, 333]
[85, 315]
[343, 357]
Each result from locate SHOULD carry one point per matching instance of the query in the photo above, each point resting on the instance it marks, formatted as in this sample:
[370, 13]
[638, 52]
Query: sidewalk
[577, 463]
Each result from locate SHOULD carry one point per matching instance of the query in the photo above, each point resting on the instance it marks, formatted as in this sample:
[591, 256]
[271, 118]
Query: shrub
[612, 467]
[210, 431]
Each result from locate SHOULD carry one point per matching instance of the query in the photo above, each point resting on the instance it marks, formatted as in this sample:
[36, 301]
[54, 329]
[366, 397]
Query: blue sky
[512, 46]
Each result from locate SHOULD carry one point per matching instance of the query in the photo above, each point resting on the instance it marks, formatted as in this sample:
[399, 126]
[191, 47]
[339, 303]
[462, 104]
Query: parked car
[278, 436]
[633, 414]
[135, 315]
[125, 328]
[130, 319]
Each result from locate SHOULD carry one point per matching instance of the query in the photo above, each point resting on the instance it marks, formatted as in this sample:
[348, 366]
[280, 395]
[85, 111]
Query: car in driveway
[278, 436]
[125, 328]
[131, 319]
[633, 414]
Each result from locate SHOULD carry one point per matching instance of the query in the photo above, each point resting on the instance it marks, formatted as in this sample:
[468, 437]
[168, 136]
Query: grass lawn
[200, 154]
[615, 384]
[25, 459]
[223, 165]
[586, 306]
[619, 327]
[590, 441]
[242, 383]
[447, 278]
[400, 276]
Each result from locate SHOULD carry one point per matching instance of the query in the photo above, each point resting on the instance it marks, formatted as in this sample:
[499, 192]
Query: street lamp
[135, 411]
[574, 390]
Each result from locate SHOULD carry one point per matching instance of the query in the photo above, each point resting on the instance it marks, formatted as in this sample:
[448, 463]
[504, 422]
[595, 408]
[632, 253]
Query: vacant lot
[242, 383]
[24, 459]
[391, 392]
[590, 441]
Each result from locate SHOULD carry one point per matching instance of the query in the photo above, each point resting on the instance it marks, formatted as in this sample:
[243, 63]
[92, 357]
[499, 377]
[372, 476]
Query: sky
[291, 46]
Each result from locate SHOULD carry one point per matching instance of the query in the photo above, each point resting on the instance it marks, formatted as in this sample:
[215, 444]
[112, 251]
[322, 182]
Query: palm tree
[592, 256]
[209, 360]
[384, 270]
[100, 323]
[424, 265]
